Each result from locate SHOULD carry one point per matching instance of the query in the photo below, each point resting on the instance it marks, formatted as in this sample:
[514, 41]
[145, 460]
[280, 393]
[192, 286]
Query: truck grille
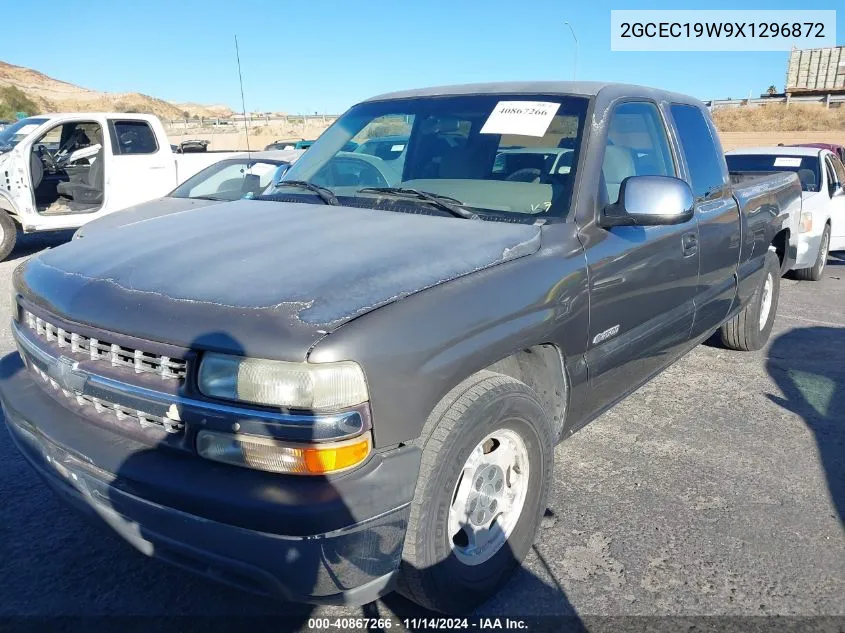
[146, 420]
[140, 361]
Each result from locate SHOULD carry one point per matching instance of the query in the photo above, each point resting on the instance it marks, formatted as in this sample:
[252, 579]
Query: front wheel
[750, 329]
[8, 234]
[481, 494]
[815, 272]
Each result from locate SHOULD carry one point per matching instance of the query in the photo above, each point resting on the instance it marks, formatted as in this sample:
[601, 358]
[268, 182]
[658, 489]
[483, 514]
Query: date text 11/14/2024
[434, 623]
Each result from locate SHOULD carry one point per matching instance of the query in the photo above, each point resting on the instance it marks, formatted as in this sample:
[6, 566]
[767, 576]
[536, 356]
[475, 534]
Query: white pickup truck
[59, 171]
[821, 225]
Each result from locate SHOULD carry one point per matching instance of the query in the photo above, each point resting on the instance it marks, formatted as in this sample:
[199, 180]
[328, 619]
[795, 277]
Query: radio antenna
[243, 103]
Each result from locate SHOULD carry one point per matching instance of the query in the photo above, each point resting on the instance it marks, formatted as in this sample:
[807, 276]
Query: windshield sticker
[787, 161]
[525, 118]
[397, 148]
[26, 129]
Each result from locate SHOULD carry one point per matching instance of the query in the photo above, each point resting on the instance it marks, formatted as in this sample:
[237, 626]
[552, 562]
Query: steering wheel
[526, 174]
[368, 175]
[47, 158]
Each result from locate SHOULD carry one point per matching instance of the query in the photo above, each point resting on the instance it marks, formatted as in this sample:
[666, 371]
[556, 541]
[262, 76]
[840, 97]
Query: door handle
[689, 244]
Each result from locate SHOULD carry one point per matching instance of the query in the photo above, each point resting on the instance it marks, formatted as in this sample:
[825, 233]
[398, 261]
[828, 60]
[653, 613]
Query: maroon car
[839, 150]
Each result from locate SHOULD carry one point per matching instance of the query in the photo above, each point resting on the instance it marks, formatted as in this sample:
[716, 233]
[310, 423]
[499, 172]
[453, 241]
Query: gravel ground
[718, 489]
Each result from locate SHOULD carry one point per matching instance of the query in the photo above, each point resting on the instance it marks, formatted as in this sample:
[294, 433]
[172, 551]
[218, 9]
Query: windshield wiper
[324, 193]
[445, 203]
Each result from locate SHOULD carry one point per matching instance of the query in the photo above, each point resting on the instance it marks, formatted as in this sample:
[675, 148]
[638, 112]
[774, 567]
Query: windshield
[16, 132]
[807, 167]
[231, 179]
[508, 157]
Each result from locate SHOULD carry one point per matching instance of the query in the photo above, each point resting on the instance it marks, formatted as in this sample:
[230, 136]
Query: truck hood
[258, 277]
[144, 211]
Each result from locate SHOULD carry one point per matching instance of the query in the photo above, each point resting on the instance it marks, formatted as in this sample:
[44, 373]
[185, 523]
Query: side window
[133, 137]
[51, 139]
[699, 148]
[637, 145]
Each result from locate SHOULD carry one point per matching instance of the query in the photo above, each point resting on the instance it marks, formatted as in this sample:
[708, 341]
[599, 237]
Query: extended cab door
[141, 168]
[717, 213]
[642, 279]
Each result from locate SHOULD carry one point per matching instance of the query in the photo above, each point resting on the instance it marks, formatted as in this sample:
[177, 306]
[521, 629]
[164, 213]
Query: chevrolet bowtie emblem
[65, 372]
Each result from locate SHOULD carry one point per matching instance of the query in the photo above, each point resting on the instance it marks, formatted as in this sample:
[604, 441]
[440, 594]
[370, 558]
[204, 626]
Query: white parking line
[813, 321]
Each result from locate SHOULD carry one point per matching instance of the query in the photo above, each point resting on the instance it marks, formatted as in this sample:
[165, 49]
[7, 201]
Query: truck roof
[580, 88]
[780, 150]
[83, 115]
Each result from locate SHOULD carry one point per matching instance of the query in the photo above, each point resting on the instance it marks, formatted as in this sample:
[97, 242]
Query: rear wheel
[481, 494]
[8, 234]
[750, 329]
[815, 273]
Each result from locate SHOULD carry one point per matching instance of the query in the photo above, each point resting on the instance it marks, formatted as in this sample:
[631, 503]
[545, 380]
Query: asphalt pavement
[718, 489]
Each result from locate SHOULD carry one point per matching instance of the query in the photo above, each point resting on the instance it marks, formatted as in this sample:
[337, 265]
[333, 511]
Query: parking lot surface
[717, 489]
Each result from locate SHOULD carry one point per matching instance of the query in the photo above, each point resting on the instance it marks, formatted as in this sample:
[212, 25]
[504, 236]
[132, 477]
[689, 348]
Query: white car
[822, 223]
[59, 171]
[244, 175]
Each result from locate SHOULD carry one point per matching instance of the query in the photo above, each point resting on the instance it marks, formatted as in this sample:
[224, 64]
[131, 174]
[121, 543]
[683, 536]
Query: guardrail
[825, 99]
[239, 120]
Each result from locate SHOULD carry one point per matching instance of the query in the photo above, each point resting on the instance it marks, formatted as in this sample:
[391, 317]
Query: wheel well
[781, 242]
[541, 368]
[8, 210]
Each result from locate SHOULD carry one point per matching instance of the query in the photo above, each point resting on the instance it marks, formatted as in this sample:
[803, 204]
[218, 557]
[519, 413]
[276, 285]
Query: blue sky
[324, 56]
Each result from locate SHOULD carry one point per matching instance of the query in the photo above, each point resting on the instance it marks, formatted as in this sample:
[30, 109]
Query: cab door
[140, 169]
[718, 217]
[642, 279]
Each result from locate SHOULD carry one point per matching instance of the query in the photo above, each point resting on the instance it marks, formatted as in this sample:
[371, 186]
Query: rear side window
[699, 148]
[637, 145]
[133, 137]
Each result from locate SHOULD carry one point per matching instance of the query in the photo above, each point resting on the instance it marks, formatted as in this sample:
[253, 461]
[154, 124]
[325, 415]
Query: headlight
[264, 453]
[311, 386]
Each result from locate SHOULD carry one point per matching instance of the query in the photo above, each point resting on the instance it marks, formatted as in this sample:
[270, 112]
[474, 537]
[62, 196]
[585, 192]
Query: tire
[815, 272]
[745, 331]
[8, 234]
[434, 571]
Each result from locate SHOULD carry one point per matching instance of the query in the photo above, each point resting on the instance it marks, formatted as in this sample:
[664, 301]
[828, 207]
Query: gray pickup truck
[356, 383]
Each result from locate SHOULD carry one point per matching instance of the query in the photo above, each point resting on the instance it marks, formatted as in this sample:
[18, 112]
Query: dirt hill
[52, 95]
[776, 117]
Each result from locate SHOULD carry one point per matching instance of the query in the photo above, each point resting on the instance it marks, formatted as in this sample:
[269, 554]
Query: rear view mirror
[650, 201]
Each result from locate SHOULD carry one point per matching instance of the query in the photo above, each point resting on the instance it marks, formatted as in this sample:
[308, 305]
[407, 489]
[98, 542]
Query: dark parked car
[331, 392]
[289, 145]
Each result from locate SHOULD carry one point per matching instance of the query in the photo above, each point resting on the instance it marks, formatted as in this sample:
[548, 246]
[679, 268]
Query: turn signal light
[806, 222]
[264, 453]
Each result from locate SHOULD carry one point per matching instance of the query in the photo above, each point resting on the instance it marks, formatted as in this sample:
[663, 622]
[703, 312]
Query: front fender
[415, 350]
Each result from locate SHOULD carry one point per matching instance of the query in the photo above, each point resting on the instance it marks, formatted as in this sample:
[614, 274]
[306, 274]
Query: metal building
[816, 71]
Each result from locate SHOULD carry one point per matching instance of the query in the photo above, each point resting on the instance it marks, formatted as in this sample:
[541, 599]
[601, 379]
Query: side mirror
[650, 201]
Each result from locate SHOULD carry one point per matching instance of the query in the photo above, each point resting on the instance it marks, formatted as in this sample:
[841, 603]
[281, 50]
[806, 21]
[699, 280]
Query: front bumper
[307, 539]
[808, 250]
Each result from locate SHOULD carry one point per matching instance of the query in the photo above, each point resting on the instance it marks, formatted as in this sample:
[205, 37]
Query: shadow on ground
[31, 243]
[808, 365]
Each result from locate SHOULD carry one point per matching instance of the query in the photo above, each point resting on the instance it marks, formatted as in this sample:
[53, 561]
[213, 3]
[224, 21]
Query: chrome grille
[140, 361]
[146, 420]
